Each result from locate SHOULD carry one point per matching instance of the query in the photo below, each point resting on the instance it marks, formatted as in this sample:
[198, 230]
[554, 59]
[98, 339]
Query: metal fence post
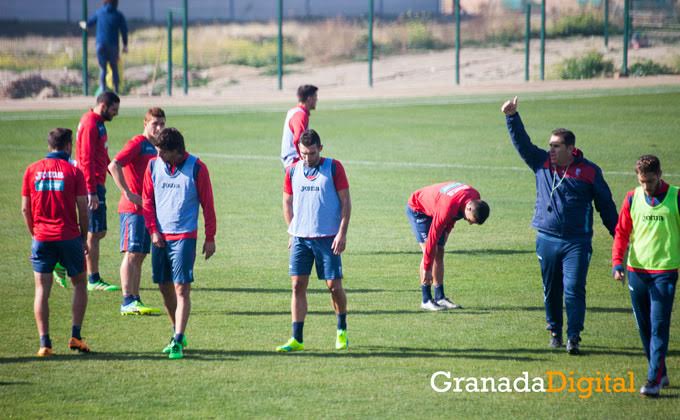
[185, 46]
[456, 6]
[626, 29]
[542, 39]
[279, 55]
[606, 24]
[370, 43]
[169, 52]
[527, 39]
[85, 81]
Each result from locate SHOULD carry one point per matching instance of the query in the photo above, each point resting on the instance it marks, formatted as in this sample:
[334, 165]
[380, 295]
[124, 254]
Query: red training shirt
[134, 158]
[92, 150]
[445, 208]
[52, 185]
[298, 124]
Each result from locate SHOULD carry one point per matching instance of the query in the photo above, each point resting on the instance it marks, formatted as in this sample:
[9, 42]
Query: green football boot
[290, 346]
[102, 285]
[341, 341]
[59, 274]
[176, 350]
[142, 309]
[168, 348]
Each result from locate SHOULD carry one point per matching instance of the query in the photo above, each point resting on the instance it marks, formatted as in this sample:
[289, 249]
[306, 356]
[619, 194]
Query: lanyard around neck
[554, 178]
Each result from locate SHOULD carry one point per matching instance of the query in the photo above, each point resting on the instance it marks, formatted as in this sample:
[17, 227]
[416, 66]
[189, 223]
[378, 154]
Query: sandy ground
[432, 74]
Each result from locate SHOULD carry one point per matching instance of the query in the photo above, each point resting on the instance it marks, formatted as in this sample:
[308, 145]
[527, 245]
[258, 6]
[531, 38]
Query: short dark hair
[648, 164]
[108, 98]
[58, 138]
[170, 139]
[567, 136]
[113, 3]
[305, 91]
[310, 138]
[480, 211]
[154, 112]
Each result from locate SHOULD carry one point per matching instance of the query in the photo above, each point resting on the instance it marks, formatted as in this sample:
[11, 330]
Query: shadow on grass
[351, 313]
[287, 291]
[9, 383]
[596, 309]
[369, 352]
[485, 251]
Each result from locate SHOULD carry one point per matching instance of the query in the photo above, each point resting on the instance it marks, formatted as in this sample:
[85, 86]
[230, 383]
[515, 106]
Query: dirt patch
[483, 70]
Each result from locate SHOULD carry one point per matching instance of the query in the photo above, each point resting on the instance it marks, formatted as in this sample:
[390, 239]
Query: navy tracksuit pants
[652, 297]
[564, 268]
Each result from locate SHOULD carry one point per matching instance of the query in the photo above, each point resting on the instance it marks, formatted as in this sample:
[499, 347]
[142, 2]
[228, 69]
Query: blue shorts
[420, 224]
[45, 255]
[175, 262]
[305, 252]
[133, 234]
[98, 217]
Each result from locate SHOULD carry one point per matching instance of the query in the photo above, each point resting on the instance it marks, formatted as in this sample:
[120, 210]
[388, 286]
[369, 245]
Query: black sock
[75, 332]
[45, 341]
[342, 321]
[297, 330]
[438, 292]
[427, 293]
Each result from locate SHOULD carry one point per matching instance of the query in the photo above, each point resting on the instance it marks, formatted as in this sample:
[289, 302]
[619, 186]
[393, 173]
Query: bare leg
[298, 303]
[79, 304]
[183, 292]
[92, 256]
[131, 273]
[438, 266]
[338, 296]
[169, 300]
[41, 309]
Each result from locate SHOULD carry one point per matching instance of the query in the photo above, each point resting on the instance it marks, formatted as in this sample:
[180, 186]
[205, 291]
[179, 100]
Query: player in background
[297, 121]
[92, 152]
[175, 184]
[649, 227]
[433, 212]
[566, 186]
[110, 22]
[317, 209]
[53, 191]
[127, 170]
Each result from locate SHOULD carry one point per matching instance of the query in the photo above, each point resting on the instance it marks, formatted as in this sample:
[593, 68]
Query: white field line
[417, 165]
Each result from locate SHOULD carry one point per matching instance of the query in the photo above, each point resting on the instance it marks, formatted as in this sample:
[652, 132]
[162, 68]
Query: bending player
[433, 212]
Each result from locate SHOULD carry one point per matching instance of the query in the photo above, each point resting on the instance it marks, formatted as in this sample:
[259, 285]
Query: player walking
[175, 184]
[650, 223]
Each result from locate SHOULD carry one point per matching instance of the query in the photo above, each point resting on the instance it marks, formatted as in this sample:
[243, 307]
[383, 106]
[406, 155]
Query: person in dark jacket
[567, 184]
[110, 22]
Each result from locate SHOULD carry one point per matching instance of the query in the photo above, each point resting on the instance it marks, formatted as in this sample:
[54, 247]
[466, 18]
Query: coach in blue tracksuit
[566, 186]
[110, 22]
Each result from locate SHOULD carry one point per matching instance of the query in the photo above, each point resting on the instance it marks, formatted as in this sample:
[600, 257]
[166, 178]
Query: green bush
[675, 63]
[649, 68]
[586, 24]
[588, 66]
[419, 37]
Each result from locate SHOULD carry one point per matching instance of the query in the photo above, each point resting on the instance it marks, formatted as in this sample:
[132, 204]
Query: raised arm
[530, 153]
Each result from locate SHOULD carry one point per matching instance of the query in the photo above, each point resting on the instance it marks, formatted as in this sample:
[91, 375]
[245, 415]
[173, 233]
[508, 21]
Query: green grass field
[241, 296]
